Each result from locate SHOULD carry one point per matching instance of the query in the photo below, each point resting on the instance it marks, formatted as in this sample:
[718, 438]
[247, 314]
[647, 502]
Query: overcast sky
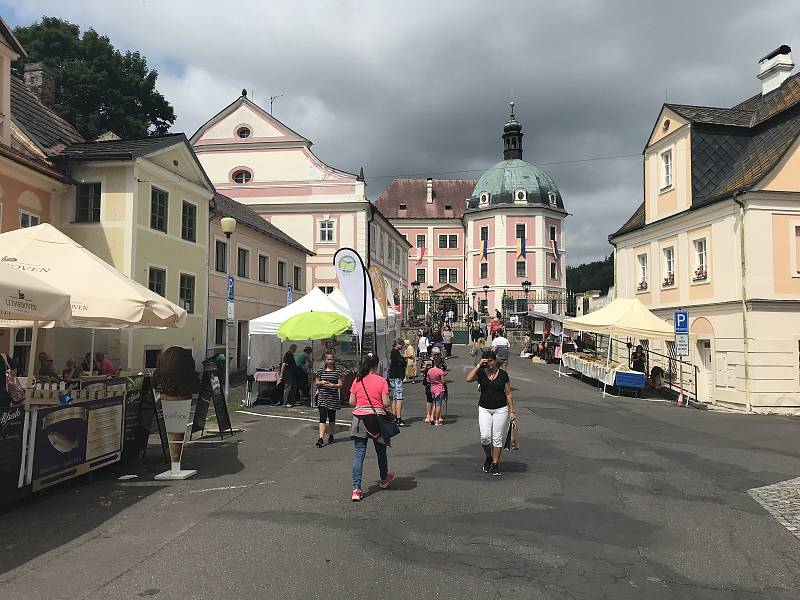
[417, 88]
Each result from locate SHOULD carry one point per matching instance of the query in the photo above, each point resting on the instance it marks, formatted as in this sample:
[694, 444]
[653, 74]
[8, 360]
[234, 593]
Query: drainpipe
[370, 218]
[743, 266]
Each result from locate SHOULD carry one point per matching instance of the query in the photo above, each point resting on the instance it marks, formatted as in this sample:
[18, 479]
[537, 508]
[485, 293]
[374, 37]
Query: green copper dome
[514, 181]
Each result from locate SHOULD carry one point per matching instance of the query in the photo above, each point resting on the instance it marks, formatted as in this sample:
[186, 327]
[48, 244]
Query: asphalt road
[607, 498]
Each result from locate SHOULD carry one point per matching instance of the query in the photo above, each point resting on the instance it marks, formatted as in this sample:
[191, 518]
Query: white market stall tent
[623, 317]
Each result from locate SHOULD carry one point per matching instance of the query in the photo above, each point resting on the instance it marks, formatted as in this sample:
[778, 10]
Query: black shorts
[326, 415]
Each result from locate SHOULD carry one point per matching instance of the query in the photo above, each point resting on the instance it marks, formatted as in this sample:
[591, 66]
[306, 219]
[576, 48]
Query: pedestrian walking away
[397, 371]
[328, 383]
[447, 337]
[369, 397]
[501, 347]
[438, 391]
[495, 409]
[422, 348]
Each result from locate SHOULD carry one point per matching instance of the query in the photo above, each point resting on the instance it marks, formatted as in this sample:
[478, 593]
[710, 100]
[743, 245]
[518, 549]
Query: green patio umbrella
[313, 325]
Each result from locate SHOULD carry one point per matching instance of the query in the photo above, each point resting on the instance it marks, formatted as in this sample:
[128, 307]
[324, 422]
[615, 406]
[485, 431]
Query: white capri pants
[494, 425]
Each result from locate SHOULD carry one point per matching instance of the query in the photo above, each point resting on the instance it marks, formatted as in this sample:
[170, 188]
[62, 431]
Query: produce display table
[590, 368]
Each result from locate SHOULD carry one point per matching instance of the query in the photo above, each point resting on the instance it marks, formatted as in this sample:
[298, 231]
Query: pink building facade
[491, 238]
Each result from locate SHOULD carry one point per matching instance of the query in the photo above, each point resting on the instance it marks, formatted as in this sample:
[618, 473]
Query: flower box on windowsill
[669, 280]
[642, 287]
[700, 274]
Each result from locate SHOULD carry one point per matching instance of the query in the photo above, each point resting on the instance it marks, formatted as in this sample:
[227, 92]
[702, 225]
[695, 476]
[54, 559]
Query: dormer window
[552, 199]
[243, 132]
[241, 176]
[666, 169]
[521, 196]
[484, 198]
[448, 207]
[403, 207]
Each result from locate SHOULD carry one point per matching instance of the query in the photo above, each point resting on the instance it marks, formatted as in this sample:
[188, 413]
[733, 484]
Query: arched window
[242, 176]
[552, 199]
[243, 132]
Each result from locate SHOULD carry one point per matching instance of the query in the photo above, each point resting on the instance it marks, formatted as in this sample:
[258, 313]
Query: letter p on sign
[681, 321]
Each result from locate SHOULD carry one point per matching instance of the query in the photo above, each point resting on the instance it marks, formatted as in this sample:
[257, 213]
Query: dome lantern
[512, 137]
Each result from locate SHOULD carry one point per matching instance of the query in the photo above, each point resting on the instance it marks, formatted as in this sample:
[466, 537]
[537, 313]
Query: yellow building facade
[718, 234]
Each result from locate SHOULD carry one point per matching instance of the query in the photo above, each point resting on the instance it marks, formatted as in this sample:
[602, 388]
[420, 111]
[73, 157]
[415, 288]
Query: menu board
[12, 420]
[73, 439]
[220, 406]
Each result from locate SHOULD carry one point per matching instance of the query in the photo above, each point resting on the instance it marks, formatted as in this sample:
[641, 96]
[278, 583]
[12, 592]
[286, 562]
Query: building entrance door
[707, 368]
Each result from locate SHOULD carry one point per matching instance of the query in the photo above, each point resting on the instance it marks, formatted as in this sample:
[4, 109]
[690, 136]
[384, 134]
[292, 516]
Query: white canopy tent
[264, 347]
[622, 317]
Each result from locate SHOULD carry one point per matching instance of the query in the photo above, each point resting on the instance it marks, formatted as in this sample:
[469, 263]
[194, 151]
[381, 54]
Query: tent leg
[608, 361]
[12, 335]
[34, 340]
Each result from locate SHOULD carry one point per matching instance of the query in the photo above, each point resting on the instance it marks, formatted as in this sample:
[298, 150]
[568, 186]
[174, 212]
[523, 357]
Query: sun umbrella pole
[91, 354]
[12, 333]
[34, 340]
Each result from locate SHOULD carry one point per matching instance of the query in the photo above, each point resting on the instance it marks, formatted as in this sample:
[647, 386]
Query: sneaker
[487, 465]
[320, 443]
[401, 423]
[384, 483]
[356, 497]
[495, 469]
[330, 439]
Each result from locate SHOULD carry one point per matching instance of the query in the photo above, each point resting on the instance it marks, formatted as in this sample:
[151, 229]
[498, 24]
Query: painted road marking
[255, 414]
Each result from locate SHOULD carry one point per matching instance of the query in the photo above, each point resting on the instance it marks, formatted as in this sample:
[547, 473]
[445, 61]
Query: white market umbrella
[23, 297]
[100, 295]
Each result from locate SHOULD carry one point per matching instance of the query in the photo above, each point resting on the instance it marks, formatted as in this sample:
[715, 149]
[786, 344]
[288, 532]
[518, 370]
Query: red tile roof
[413, 192]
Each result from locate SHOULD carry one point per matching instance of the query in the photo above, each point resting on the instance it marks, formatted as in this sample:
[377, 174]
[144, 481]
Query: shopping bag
[514, 436]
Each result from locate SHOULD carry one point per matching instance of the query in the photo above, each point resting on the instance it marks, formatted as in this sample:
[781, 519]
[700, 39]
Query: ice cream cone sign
[176, 381]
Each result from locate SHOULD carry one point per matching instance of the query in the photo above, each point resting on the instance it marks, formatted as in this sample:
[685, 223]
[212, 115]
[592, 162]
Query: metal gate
[429, 307]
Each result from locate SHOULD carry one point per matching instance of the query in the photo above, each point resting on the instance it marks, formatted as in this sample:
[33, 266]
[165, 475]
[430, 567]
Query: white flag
[356, 287]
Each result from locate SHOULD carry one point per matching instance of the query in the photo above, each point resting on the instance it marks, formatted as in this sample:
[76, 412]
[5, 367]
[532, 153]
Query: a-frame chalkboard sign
[211, 394]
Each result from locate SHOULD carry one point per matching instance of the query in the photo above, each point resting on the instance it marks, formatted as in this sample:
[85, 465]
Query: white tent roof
[623, 316]
[100, 295]
[315, 300]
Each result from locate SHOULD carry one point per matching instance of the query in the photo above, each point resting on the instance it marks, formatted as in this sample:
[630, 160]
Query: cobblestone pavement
[782, 501]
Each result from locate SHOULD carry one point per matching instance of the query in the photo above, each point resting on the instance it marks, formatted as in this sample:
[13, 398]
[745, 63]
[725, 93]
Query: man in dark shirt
[397, 372]
[289, 377]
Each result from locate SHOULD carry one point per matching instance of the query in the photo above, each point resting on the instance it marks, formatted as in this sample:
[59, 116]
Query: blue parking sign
[681, 321]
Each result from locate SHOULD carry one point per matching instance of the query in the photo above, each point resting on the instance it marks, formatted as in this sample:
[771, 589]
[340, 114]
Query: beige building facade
[718, 235]
[264, 263]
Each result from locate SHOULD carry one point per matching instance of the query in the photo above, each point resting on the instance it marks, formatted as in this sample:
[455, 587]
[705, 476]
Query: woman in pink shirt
[369, 397]
[438, 391]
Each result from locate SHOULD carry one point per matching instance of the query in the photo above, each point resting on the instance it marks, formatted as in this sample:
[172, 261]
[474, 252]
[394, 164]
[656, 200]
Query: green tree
[98, 88]
[597, 275]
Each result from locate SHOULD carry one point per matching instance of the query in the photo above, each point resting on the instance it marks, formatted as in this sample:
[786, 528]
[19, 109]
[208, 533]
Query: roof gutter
[743, 267]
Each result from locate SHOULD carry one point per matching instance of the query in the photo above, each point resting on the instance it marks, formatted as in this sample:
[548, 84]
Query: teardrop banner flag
[356, 287]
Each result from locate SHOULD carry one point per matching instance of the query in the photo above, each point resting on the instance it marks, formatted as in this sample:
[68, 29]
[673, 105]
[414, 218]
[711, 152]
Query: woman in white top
[422, 347]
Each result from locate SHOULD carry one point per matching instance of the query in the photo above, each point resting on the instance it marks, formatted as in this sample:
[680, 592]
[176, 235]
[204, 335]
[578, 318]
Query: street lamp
[526, 287]
[431, 308]
[486, 297]
[415, 287]
[228, 227]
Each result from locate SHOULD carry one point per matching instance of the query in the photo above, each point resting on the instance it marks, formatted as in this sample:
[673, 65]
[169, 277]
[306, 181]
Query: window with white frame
[243, 262]
[442, 241]
[188, 221]
[263, 268]
[666, 169]
[221, 256]
[421, 275]
[87, 203]
[27, 219]
[442, 275]
[484, 270]
[452, 241]
[158, 209]
[484, 233]
[521, 268]
[553, 233]
[326, 230]
[281, 273]
[669, 266]
[642, 284]
[700, 259]
[372, 239]
[186, 293]
[420, 240]
[298, 278]
[452, 276]
[519, 231]
[553, 271]
[157, 280]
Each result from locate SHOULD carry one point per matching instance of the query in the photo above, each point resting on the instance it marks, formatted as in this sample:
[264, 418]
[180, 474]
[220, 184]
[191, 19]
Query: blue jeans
[359, 452]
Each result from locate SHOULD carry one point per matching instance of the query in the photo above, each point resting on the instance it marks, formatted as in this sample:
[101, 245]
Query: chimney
[774, 69]
[429, 191]
[39, 79]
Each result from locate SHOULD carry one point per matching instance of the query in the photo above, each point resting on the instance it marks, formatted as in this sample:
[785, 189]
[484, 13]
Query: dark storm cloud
[414, 88]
